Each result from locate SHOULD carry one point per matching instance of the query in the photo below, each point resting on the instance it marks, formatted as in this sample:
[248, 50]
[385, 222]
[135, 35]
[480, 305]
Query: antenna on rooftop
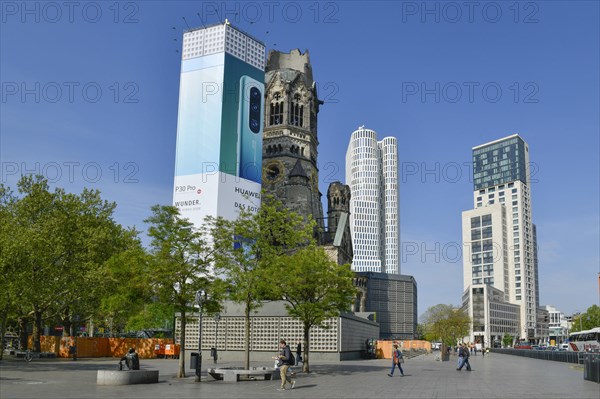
[201, 20]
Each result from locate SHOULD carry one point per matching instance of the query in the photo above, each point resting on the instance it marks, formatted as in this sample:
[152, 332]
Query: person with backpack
[286, 359]
[397, 360]
[465, 357]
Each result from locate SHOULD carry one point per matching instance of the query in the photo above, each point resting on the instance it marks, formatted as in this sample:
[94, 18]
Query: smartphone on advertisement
[250, 129]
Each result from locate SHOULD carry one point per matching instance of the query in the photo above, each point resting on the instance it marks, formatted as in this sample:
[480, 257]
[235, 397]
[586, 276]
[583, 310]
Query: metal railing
[557, 356]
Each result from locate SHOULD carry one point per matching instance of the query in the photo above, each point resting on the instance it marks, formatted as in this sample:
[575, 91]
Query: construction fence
[384, 347]
[103, 347]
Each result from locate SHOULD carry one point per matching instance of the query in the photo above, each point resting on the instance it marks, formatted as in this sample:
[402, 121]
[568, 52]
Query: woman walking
[397, 359]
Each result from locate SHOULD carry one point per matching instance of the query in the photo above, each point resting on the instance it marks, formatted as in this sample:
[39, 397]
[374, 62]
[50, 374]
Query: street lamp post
[200, 297]
[217, 319]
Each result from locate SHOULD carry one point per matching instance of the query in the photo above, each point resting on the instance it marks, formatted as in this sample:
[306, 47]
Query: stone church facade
[290, 141]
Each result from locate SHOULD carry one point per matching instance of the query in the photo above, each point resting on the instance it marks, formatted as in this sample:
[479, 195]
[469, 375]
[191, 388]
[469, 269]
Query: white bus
[585, 341]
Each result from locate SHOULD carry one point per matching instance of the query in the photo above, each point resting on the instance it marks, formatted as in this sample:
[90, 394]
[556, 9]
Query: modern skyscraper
[372, 174]
[218, 163]
[500, 244]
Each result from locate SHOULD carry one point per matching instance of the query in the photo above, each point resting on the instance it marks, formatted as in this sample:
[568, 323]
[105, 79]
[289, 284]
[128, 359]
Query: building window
[276, 111]
[296, 112]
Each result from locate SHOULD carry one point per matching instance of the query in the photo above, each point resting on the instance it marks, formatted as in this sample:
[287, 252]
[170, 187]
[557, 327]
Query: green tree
[315, 288]
[59, 242]
[586, 320]
[89, 239]
[8, 291]
[421, 332]
[181, 255]
[446, 323]
[249, 247]
[507, 340]
[127, 278]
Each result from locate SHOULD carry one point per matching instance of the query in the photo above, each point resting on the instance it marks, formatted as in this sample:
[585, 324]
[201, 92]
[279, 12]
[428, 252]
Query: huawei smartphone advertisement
[218, 165]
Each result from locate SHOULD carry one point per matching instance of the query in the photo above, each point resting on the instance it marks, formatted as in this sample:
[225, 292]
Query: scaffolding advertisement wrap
[218, 166]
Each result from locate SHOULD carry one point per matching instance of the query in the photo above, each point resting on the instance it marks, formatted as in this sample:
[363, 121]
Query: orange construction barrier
[172, 351]
[159, 351]
[384, 348]
[104, 347]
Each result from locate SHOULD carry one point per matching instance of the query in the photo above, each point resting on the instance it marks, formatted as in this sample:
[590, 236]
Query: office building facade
[499, 238]
[372, 174]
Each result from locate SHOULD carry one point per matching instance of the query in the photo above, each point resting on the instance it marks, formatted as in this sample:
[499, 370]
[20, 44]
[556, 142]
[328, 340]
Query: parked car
[563, 347]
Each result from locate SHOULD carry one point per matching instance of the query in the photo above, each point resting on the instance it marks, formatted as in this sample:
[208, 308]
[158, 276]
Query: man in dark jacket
[286, 361]
[132, 360]
[465, 356]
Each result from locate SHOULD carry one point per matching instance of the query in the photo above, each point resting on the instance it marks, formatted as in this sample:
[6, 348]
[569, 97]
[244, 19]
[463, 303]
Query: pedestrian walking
[465, 358]
[73, 347]
[286, 360]
[299, 353]
[397, 360]
[461, 355]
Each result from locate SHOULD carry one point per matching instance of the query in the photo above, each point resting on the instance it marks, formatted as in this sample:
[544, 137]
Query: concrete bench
[128, 377]
[233, 374]
[36, 355]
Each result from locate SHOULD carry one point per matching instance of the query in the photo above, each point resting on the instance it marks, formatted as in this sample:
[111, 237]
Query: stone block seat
[126, 377]
[232, 374]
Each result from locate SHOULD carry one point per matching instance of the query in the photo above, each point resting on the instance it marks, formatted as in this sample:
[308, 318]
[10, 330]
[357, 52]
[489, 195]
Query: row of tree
[64, 259]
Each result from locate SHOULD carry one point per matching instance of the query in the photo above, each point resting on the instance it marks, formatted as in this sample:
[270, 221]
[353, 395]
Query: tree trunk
[247, 338]
[67, 326]
[22, 333]
[181, 372]
[305, 365]
[3, 329]
[37, 331]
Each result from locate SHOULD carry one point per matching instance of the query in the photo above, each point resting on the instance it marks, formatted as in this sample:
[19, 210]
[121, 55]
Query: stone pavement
[496, 376]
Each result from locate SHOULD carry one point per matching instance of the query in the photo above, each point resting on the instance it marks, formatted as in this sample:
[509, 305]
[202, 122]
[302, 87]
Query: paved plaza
[496, 376]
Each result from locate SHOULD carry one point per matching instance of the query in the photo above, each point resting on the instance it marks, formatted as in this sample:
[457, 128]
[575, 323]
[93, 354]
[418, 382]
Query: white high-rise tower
[500, 244]
[372, 174]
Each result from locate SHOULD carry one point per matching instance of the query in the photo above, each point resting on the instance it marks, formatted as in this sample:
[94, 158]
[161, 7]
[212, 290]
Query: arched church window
[276, 110]
[296, 111]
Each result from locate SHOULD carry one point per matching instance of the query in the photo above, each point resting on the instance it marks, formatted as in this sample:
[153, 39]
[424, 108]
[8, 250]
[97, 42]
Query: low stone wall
[129, 377]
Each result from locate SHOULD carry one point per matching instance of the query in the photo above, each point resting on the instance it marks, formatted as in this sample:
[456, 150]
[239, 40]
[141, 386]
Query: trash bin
[194, 360]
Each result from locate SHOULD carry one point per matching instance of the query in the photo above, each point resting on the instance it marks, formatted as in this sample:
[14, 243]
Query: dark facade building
[393, 298]
[336, 236]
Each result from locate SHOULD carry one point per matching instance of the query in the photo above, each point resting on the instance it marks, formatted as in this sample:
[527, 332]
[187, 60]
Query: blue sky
[89, 98]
